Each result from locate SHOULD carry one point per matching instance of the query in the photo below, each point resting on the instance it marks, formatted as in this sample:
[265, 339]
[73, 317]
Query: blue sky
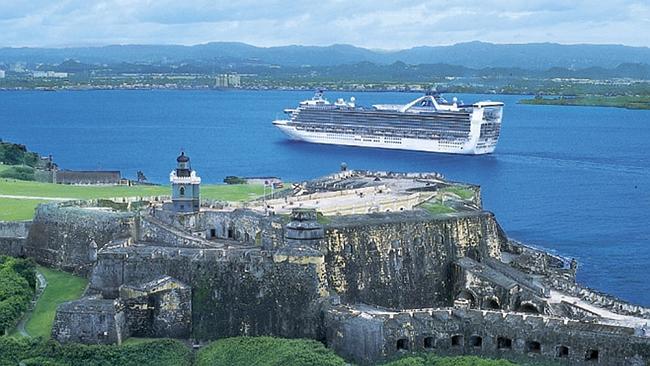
[374, 24]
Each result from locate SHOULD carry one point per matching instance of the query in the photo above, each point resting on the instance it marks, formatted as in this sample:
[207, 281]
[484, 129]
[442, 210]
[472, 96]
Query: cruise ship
[428, 123]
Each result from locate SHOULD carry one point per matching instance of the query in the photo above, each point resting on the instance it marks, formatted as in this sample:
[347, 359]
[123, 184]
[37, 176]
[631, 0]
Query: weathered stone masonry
[372, 286]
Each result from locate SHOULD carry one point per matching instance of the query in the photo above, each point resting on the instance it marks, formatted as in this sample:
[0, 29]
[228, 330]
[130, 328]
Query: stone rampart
[14, 229]
[404, 260]
[13, 236]
[367, 335]
[236, 291]
[14, 247]
[68, 237]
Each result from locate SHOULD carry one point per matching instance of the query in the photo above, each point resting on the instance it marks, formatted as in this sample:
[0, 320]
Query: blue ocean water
[572, 180]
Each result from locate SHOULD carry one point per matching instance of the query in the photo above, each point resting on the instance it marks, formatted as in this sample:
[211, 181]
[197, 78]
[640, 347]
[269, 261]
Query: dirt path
[35, 197]
[42, 284]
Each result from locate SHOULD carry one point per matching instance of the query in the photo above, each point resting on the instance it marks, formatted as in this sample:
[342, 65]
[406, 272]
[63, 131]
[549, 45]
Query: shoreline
[623, 102]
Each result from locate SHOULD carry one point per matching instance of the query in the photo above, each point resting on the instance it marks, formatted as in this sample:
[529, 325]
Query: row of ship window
[414, 136]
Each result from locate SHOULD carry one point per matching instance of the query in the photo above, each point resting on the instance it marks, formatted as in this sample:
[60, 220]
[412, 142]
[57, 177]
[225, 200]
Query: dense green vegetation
[267, 351]
[433, 360]
[244, 351]
[17, 282]
[231, 179]
[16, 154]
[61, 287]
[620, 101]
[20, 172]
[34, 351]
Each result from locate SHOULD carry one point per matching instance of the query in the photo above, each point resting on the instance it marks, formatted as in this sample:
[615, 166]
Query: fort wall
[14, 229]
[235, 292]
[13, 236]
[68, 237]
[403, 260]
[368, 335]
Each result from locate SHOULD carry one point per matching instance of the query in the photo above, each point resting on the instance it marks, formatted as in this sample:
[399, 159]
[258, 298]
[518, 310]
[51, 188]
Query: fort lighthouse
[185, 186]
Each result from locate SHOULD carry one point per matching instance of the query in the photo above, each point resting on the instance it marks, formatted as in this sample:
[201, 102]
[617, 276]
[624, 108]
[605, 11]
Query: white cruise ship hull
[428, 123]
[388, 142]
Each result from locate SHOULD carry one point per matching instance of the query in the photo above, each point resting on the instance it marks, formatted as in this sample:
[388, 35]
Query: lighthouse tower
[185, 186]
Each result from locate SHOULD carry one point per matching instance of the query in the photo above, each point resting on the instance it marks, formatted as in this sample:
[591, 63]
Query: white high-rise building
[232, 80]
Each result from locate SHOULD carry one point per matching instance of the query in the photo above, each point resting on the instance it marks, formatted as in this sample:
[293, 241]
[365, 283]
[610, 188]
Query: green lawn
[23, 209]
[462, 192]
[17, 209]
[234, 192]
[26, 188]
[436, 208]
[61, 287]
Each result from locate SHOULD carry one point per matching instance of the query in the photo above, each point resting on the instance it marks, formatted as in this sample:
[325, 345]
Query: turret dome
[182, 158]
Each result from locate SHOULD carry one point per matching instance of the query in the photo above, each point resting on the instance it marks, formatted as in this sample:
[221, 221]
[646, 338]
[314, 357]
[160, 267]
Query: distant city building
[2, 74]
[49, 74]
[185, 186]
[17, 67]
[232, 80]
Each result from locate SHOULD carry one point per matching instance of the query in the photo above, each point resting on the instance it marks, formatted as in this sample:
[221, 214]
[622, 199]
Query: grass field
[462, 192]
[61, 287]
[17, 209]
[436, 208]
[12, 209]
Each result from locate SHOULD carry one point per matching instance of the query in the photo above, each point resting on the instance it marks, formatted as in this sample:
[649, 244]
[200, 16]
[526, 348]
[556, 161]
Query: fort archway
[491, 303]
[528, 307]
[468, 296]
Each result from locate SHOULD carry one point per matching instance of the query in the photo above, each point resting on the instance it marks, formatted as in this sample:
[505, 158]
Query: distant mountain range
[476, 55]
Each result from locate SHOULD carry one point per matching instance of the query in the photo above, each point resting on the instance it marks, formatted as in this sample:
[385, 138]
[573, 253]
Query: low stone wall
[600, 299]
[14, 229]
[14, 247]
[367, 335]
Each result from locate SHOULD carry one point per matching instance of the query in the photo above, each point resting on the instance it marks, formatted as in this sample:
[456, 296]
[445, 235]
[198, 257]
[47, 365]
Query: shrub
[267, 351]
[15, 154]
[433, 360]
[164, 352]
[17, 280]
[231, 179]
[18, 172]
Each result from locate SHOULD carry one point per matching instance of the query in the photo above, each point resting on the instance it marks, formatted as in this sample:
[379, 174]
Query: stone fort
[373, 264]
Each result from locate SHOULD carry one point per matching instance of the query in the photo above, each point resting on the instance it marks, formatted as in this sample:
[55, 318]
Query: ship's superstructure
[428, 123]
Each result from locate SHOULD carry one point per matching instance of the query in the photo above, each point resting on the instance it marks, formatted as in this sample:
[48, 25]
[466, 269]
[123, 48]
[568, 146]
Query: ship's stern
[486, 127]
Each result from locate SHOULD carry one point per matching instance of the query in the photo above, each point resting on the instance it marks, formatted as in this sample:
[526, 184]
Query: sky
[374, 24]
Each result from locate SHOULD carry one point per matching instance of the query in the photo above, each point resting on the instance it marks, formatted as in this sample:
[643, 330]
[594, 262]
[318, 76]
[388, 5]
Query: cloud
[376, 24]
